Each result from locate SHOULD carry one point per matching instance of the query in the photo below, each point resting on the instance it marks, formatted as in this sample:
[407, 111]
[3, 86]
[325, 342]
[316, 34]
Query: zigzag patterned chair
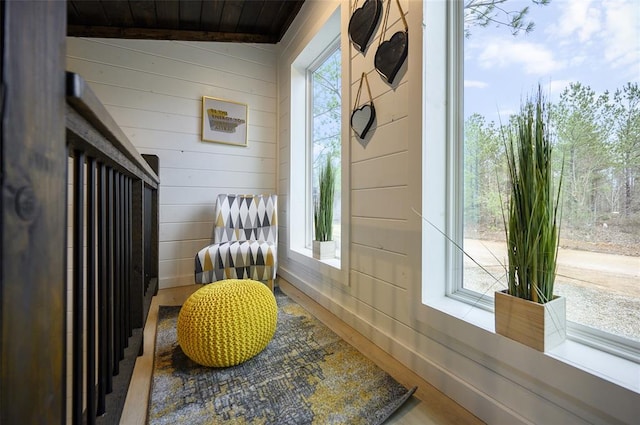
[245, 244]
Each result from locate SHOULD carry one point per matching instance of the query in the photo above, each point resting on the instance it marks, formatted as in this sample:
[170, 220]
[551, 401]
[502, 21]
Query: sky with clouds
[595, 42]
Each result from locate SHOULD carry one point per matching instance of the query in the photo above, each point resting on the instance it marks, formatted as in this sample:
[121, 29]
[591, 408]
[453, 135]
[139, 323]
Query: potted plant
[528, 311]
[324, 247]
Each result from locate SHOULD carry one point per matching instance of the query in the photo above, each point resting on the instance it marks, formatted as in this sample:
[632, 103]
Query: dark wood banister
[120, 196]
[87, 113]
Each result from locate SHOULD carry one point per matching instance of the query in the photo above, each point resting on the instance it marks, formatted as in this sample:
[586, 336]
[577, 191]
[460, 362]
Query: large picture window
[585, 56]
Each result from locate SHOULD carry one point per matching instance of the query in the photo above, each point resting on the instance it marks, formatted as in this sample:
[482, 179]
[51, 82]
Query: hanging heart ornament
[363, 23]
[391, 54]
[362, 120]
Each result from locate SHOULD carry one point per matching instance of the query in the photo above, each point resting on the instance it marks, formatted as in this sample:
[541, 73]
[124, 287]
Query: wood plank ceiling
[249, 21]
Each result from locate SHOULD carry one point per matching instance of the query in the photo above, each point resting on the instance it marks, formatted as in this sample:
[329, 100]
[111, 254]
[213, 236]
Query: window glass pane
[586, 57]
[326, 128]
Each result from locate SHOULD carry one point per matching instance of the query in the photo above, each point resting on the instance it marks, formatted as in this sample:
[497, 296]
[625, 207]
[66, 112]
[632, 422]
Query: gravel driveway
[601, 290]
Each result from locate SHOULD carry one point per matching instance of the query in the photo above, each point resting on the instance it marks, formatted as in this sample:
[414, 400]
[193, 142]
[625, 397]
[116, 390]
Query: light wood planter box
[325, 250]
[539, 326]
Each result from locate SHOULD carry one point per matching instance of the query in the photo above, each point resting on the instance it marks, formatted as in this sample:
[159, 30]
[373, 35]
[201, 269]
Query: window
[586, 57]
[316, 126]
[325, 108]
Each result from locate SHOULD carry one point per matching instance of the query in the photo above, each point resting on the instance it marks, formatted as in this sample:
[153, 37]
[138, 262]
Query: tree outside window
[586, 56]
[325, 120]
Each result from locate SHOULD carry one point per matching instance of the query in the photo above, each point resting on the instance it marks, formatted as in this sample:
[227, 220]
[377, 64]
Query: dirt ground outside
[602, 289]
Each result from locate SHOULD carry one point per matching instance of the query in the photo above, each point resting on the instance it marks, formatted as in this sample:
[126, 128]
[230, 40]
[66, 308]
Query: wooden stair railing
[114, 198]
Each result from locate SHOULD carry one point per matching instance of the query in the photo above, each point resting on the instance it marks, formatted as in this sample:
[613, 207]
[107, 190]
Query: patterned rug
[306, 375]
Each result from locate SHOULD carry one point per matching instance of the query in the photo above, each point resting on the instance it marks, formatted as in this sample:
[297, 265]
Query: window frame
[442, 214]
[333, 271]
[455, 182]
[331, 48]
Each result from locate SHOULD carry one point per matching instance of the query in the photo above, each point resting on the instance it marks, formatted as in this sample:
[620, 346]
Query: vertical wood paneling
[32, 221]
[154, 90]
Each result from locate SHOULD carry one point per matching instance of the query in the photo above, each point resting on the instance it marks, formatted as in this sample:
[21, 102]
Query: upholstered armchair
[245, 243]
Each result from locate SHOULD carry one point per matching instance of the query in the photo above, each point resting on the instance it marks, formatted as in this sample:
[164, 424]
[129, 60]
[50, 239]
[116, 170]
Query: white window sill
[305, 255]
[616, 370]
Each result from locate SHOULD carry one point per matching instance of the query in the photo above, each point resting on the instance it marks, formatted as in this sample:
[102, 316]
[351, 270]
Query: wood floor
[428, 406]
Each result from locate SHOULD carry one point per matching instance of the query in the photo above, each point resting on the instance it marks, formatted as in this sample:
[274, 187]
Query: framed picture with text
[224, 121]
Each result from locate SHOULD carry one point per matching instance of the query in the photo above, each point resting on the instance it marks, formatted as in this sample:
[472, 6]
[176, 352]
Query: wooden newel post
[33, 223]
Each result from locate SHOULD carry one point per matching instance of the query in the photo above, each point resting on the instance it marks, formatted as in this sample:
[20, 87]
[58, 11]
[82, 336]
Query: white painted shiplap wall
[153, 90]
[377, 271]
[496, 379]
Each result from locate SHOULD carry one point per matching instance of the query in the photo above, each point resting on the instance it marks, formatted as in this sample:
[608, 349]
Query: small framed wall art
[224, 121]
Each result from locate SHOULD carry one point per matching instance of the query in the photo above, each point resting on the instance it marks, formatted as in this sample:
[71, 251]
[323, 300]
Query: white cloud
[475, 84]
[577, 17]
[534, 58]
[622, 34]
[577, 60]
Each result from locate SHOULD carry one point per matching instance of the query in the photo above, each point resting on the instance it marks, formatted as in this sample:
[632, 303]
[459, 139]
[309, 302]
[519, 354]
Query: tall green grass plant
[532, 217]
[323, 203]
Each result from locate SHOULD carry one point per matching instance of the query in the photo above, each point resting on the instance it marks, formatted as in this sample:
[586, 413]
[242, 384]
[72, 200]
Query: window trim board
[575, 376]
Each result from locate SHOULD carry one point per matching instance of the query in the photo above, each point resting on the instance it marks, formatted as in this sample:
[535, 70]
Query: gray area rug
[306, 375]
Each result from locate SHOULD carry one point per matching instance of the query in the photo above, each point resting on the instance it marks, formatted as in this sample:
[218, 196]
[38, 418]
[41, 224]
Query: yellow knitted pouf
[228, 322]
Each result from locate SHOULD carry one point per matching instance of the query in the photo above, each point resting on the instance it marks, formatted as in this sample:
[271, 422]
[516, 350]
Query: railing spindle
[127, 256]
[111, 283]
[103, 369]
[91, 292]
[123, 273]
[78, 286]
[117, 275]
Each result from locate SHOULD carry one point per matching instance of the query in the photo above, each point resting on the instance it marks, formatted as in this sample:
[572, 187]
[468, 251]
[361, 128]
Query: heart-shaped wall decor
[363, 23]
[362, 119]
[391, 54]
